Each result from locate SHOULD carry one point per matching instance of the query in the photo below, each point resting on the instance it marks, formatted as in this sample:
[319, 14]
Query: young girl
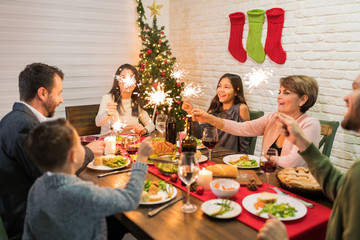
[123, 103]
[229, 103]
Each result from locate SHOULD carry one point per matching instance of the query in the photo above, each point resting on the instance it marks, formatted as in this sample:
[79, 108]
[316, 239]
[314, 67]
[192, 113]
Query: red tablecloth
[312, 226]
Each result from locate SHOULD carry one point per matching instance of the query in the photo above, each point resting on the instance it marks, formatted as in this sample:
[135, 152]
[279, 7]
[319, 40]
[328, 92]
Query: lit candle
[204, 179]
[110, 145]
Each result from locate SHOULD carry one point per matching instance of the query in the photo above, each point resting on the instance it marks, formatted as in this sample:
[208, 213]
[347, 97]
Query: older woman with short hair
[297, 94]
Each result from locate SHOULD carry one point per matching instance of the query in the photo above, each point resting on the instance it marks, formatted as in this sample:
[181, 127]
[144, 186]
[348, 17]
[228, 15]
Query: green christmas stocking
[254, 47]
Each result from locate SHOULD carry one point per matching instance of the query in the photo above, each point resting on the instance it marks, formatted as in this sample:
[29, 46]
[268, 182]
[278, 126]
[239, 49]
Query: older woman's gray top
[62, 206]
[237, 143]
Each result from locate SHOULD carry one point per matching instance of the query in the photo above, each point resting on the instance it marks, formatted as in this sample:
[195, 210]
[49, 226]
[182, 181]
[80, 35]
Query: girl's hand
[111, 109]
[187, 106]
[139, 129]
[201, 116]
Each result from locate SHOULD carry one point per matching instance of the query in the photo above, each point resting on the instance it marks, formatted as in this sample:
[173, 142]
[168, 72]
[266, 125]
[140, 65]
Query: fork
[306, 203]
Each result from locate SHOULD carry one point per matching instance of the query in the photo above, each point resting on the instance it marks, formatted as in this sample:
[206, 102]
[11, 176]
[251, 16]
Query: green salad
[283, 210]
[248, 163]
[148, 183]
[117, 161]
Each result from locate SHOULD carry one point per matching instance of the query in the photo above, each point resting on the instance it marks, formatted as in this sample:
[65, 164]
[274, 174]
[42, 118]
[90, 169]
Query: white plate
[105, 168]
[210, 207]
[251, 157]
[301, 210]
[164, 196]
[202, 159]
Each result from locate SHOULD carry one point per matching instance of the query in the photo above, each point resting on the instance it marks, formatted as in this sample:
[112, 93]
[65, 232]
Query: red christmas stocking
[273, 48]
[237, 21]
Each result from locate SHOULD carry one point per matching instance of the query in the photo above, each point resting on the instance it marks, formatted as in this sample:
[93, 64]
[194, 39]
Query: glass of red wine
[268, 163]
[132, 144]
[210, 138]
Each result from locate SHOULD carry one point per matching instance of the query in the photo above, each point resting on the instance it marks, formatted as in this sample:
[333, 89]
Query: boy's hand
[145, 150]
[97, 147]
[273, 229]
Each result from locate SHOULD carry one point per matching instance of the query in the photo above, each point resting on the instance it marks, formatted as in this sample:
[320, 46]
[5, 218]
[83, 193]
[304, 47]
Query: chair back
[3, 235]
[254, 115]
[83, 118]
[328, 131]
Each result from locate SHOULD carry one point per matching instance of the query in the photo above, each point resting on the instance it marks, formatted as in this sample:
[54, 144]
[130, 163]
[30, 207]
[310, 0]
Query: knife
[113, 172]
[157, 210]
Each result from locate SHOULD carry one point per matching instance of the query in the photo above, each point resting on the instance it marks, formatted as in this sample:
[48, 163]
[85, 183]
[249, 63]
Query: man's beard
[351, 120]
[50, 107]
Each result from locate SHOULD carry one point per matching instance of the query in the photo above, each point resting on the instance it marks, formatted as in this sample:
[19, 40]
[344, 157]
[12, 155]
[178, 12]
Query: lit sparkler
[119, 126]
[256, 77]
[128, 80]
[192, 90]
[157, 97]
[177, 73]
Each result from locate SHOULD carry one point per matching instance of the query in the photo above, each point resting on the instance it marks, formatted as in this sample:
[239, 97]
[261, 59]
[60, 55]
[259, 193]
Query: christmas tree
[160, 85]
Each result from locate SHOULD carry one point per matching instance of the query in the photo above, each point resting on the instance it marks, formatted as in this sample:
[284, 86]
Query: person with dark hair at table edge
[40, 88]
[297, 94]
[343, 189]
[61, 205]
[123, 104]
[229, 103]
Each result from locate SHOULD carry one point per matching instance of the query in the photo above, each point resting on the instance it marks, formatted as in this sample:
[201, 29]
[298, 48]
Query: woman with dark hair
[229, 103]
[297, 94]
[123, 103]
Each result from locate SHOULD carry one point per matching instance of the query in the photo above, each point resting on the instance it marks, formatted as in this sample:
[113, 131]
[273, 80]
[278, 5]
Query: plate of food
[221, 208]
[244, 161]
[202, 159]
[283, 207]
[109, 163]
[200, 145]
[156, 192]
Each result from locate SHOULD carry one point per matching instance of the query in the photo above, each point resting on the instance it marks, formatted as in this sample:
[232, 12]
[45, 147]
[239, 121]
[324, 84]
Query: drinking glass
[131, 143]
[161, 122]
[268, 162]
[188, 171]
[210, 138]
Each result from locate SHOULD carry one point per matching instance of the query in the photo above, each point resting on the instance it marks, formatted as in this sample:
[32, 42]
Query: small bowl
[166, 164]
[226, 187]
[88, 139]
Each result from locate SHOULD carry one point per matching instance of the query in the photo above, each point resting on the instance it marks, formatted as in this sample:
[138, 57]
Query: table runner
[312, 226]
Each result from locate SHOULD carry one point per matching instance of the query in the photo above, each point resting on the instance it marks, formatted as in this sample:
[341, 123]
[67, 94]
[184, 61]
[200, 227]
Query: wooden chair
[252, 145]
[83, 118]
[328, 131]
[3, 235]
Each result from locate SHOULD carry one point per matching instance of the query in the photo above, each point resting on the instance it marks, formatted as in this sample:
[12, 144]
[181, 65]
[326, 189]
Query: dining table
[172, 223]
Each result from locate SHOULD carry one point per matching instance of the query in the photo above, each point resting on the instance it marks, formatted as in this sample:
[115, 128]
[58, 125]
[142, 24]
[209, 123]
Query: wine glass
[188, 171]
[161, 122]
[268, 162]
[132, 144]
[210, 138]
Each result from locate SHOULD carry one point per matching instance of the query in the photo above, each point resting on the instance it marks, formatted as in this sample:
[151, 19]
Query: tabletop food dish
[212, 206]
[299, 180]
[300, 209]
[99, 163]
[154, 194]
[243, 161]
[224, 188]
[88, 139]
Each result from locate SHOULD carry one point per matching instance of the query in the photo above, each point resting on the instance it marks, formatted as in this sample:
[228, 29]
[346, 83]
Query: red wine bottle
[171, 132]
[188, 143]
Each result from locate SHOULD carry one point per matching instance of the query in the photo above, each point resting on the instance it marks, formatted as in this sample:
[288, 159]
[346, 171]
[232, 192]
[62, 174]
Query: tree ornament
[165, 61]
[178, 84]
[140, 55]
[148, 52]
[254, 47]
[178, 102]
[162, 33]
[155, 84]
[143, 38]
[159, 41]
[155, 9]
[163, 74]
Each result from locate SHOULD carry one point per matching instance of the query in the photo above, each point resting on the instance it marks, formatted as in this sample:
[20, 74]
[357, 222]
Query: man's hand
[145, 150]
[273, 229]
[293, 132]
[97, 147]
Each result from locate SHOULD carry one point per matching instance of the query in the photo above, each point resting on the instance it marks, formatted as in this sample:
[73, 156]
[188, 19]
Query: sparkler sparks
[256, 77]
[119, 126]
[177, 73]
[157, 96]
[128, 80]
[192, 90]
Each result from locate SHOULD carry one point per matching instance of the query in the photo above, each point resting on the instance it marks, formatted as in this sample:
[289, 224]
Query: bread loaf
[266, 197]
[223, 170]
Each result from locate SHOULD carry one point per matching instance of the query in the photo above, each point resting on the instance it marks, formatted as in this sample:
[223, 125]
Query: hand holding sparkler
[139, 129]
[187, 106]
[203, 116]
[111, 109]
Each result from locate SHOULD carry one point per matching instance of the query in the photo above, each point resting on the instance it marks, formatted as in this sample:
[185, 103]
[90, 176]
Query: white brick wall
[321, 39]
